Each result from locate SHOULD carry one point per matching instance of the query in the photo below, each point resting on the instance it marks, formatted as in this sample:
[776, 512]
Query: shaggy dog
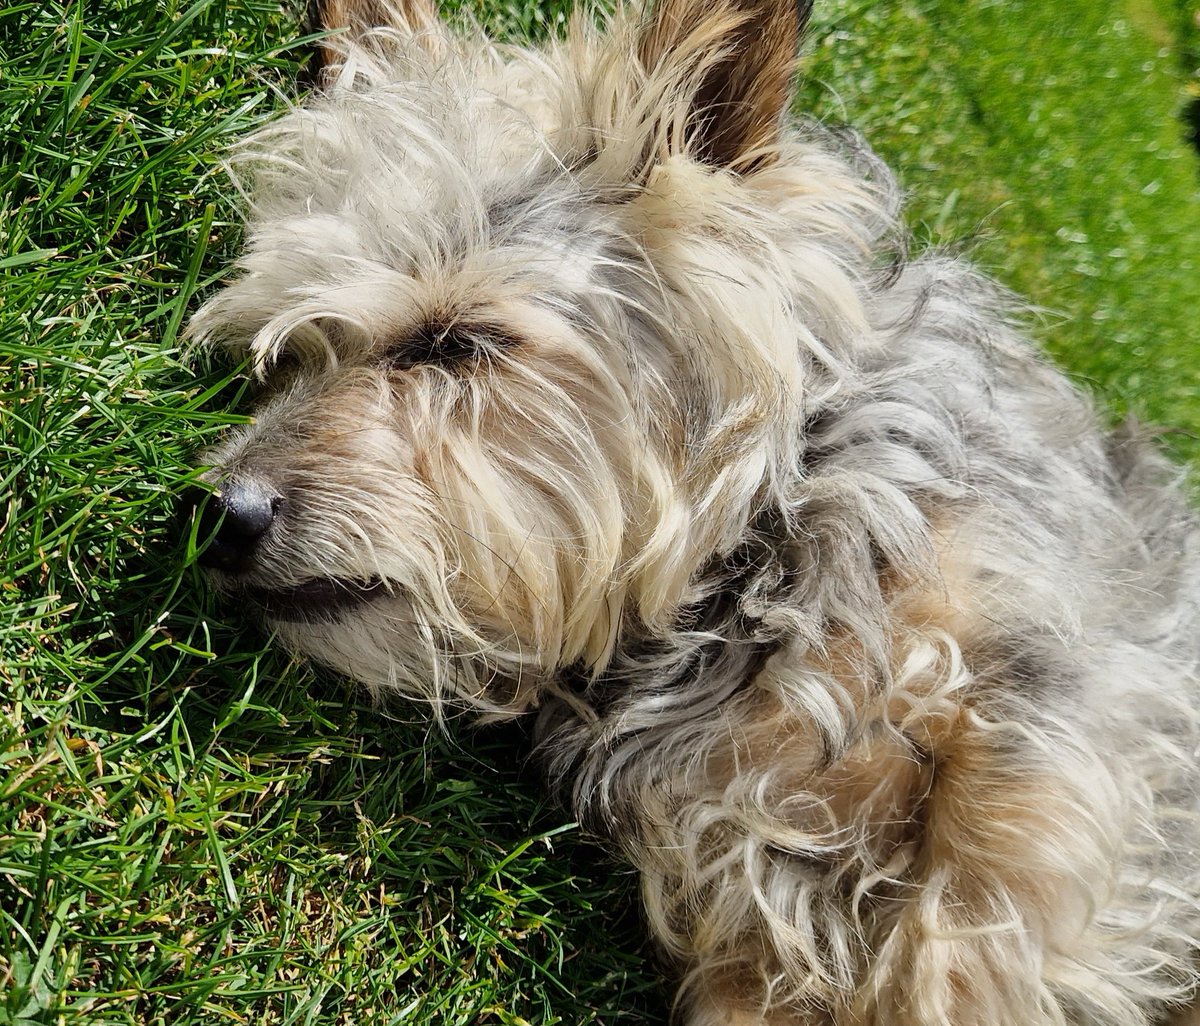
[596, 391]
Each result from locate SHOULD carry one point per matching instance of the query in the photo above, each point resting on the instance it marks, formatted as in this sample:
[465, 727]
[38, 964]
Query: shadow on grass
[484, 893]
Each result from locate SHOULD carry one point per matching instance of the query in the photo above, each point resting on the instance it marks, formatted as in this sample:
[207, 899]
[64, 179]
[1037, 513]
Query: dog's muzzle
[235, 522]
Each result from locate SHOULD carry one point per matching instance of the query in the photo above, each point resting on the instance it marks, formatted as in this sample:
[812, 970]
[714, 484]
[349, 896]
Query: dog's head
[537, 332]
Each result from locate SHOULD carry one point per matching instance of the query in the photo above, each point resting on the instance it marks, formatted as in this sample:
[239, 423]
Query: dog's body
[614, 399]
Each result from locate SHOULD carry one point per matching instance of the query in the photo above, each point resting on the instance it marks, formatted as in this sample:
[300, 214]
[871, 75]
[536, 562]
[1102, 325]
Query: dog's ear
[352, 21]
[745, 54]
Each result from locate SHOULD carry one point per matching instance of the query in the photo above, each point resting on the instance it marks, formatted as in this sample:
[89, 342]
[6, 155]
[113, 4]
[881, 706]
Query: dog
[596, 391]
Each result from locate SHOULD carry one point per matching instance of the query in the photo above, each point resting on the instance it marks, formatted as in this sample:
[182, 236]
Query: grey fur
[840, 612]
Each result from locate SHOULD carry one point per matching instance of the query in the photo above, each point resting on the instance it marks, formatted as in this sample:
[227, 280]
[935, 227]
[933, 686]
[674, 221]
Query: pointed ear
[353, 21]
[744, 52]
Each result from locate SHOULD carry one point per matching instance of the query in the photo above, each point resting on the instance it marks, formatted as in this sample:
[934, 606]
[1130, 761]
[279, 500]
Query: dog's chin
[320, 599]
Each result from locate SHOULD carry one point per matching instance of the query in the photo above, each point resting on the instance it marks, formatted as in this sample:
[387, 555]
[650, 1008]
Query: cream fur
[839, 613]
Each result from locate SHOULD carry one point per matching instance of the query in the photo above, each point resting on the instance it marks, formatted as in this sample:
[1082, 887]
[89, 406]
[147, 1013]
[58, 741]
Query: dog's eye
[447, 345]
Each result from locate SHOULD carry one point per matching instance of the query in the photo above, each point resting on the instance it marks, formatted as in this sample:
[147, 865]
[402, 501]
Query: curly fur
[839, 613]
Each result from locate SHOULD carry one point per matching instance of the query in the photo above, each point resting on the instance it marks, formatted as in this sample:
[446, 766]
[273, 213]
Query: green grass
[194, 829]
[1047, 136]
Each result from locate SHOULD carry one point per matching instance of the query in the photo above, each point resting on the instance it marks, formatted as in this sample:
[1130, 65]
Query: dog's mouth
[322, 598]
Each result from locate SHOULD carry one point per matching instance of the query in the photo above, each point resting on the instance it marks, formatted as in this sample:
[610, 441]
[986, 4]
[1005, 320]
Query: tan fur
[928, 792]
[356, 17]
[614, 400]
[357, 23]
[738, 107]
[1187, 1017]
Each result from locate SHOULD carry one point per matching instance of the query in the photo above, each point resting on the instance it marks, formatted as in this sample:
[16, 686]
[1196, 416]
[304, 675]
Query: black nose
[234, 521]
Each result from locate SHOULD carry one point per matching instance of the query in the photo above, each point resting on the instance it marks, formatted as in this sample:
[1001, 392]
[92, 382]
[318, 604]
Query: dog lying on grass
[598, 392]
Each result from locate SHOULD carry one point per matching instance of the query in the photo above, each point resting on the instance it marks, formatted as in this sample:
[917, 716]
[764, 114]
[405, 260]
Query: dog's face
[527, 354]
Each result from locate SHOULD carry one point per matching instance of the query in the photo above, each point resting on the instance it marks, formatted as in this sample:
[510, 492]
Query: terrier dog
[597, 391]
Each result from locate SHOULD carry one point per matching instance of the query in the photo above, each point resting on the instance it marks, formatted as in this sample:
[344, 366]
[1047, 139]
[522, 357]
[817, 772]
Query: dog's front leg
[758, 853]
[1020, 907]
[953, 869]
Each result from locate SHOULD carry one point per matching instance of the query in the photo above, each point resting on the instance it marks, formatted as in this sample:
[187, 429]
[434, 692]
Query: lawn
[195, 829]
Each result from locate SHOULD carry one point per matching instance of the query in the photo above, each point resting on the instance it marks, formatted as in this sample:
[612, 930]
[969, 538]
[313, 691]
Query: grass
[194, 829]
[1048, 136]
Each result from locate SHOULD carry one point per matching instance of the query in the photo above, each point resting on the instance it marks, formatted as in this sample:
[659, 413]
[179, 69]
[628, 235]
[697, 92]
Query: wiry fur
[841, 616]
